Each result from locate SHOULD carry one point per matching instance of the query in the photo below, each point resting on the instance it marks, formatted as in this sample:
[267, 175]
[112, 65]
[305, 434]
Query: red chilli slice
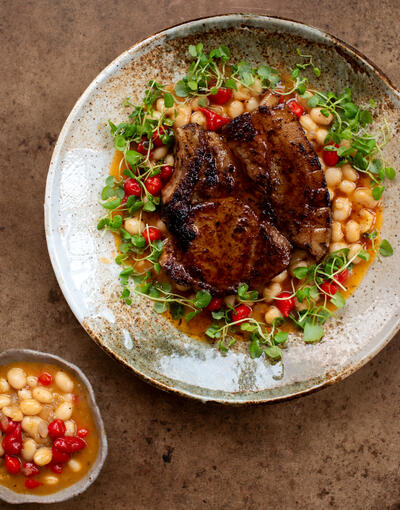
[296, 108]
[285, 303]
[329, 288]
[32, 484]
[241, 312]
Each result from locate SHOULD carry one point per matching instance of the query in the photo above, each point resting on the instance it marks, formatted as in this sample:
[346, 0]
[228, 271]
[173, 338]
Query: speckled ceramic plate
[82, 259]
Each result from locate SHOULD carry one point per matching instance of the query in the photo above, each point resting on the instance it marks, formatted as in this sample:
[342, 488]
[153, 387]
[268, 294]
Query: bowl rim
[242, 17]
[69, 492]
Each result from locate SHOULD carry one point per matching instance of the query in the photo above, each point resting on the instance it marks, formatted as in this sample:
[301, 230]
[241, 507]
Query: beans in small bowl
[49, 437]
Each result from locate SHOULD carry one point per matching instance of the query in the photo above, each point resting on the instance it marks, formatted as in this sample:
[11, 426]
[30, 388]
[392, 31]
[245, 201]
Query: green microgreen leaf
[377, 192]
[255, 348]
[385, 248]
[202, 299]
[313, 333]
[280, 337]
[338, 300]
[246, 296]
[176, 309]
[160, 306]
[273, 352]
[300, 272]
[112, 204]
[213, 331]
[390, 172]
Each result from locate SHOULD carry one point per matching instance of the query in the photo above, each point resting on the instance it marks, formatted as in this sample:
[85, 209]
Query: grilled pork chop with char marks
[229, 246]
[273, 149]
[218, 237]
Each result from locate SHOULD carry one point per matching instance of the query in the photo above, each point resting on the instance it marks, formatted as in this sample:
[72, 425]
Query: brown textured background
[338, 448]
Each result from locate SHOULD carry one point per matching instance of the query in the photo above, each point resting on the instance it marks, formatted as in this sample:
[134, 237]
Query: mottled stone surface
[338, 448]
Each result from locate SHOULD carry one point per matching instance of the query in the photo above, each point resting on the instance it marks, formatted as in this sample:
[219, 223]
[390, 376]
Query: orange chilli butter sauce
[48, 436]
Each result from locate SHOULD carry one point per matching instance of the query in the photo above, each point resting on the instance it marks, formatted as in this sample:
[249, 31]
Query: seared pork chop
[228, 246]
[218, 237]
[204, 168]
[273, 149]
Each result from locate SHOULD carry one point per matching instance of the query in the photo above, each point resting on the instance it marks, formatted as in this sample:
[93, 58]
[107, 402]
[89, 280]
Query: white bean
[333, 176]
[169, 160]
[271, 314]
[29, 448]
[43, 428]
[271, 292]
[352, 230]
[30, 425]
[183, 115]
[24, 394]
[198, 118]
[337, 233]
[42, 395]
[364, 197]
[235, 108]
[337, 246]
[341, 209]
[134, 226]
[281, 277]
[16, 378]
[257, 87]
[366, 220]
[70, 428]
[4, 386]
[5, 400]
[160, 106]
[162, 227]
[30, 407]
[13, 412]
[321, 135]
[308, 124]
[353, 250]
[43, 456]
[320, 118]
[64, 382]
[349, 173]
[230, 300]
[347, 186]
[331, 194]
[251, 104]
[74, 465]
[241, 93]
[160, 153]
[50, 480]
[64, 411]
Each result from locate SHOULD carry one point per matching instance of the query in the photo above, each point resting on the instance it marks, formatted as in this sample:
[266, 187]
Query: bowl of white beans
[46, 402]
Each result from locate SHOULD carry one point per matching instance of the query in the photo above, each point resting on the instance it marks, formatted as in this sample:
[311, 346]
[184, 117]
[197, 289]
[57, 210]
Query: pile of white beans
[23, 399]
[352, 205]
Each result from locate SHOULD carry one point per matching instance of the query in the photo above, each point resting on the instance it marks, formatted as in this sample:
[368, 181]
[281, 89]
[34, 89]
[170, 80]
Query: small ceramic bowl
[15, 355]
